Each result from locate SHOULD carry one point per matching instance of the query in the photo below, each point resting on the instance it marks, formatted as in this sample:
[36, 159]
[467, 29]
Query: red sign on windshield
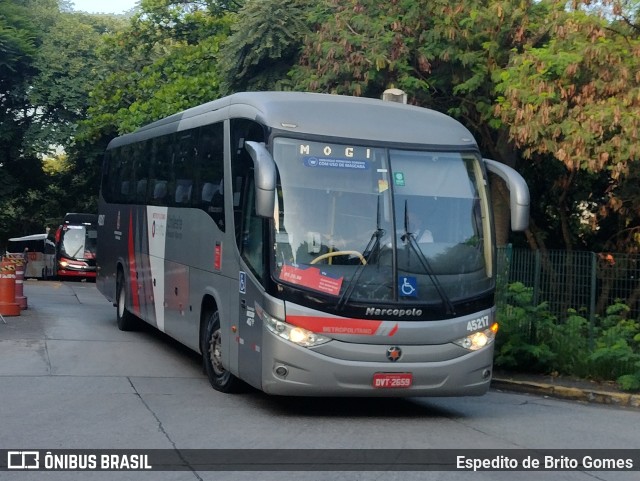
[312, 278]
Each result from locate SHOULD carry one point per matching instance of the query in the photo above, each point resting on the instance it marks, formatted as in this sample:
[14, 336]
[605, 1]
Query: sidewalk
[565, 388]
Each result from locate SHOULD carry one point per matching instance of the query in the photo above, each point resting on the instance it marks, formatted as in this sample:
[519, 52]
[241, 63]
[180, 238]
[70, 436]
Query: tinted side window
[117, 174]
[250, 229]
[181, 184]
[209, 184]
[158, 152]
[128, 185]
[109, 177]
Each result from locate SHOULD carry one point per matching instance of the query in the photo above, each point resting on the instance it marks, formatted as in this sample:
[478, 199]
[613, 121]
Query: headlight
[478, 339]
[295, 334]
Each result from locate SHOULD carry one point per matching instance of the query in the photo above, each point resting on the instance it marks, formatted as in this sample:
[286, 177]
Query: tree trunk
[501, 210]
[565, 184]
[502, 150]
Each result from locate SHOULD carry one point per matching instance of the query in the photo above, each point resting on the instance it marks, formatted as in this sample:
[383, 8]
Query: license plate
[387, 380]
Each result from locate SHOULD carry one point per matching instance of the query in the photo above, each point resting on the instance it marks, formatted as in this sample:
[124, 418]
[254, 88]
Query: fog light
[281, 371]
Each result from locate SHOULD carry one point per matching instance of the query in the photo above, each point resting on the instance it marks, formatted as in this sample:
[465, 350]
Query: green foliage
[362, 47]
[525, 331]
[533, 340]
[67, 64]
[163, 62]
[17, 42]
[264, 45]
[573, 98]
[442, 54]
[20, 173]
[630, 382]
[48, 66]
[618, 342]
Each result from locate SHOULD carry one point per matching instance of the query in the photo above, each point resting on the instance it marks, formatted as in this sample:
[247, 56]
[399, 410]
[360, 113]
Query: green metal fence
[587, 337]
[588, 282]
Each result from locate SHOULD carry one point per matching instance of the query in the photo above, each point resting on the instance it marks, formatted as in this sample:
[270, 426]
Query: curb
[570, 393]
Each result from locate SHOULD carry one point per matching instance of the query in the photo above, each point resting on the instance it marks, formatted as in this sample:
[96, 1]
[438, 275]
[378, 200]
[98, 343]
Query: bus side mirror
[264, 169]
[518, 193]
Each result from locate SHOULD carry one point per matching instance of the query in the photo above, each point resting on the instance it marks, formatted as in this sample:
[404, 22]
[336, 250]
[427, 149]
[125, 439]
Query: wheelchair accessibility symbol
[243, 282]
[408, 286]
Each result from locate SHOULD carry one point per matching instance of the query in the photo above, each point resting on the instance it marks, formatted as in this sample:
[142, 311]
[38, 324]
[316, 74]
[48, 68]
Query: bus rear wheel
[219, 378]
[126, 320]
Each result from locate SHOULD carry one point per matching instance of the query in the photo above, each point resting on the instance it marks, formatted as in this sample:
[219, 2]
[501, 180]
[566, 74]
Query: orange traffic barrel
[8, 305]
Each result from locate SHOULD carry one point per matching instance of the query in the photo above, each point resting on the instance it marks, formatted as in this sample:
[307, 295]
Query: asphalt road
[69, 379]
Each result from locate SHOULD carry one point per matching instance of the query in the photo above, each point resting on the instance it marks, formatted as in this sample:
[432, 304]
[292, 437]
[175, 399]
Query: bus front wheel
[219, 378]
[126, 320]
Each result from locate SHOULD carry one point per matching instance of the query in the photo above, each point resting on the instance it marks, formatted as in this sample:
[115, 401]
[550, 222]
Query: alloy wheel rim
[215, 353]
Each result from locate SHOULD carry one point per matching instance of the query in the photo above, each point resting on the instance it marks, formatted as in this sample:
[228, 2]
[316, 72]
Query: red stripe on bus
[336, 325]
[393, 331]
[132, 268]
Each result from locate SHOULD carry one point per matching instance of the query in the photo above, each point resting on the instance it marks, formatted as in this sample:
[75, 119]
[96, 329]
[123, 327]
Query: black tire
[126, 320]
[219, 378]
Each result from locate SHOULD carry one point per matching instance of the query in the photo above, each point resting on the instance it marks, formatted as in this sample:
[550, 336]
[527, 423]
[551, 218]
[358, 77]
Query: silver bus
[39, 252]
[309, 244]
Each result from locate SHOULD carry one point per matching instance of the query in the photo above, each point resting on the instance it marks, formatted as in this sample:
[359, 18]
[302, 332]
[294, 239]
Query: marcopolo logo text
[390, 311]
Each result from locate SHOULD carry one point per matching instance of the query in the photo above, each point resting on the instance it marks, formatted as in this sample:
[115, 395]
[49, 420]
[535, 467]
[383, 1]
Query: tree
[67, 65]
[17, 46]
[48, 67]
[444, 55]
[264, 45]
[575, 100]
[163, 62]
[20, 38]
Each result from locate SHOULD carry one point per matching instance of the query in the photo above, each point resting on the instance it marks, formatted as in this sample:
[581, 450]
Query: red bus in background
[76, 241]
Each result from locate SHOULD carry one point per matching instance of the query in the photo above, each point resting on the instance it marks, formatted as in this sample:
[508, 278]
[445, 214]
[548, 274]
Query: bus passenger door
[250, 232]
[250, 239]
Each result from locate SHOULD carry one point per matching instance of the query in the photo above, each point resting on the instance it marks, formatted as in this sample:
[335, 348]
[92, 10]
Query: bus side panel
[178, 318]
[222, 290]
[139, 262]
[111, 248]
[38, 265]
[156, 229]
[200, 260]
[122, 239]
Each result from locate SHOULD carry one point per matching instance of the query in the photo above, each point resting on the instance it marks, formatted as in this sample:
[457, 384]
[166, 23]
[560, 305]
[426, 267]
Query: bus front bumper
[292, 370]
[77, 273]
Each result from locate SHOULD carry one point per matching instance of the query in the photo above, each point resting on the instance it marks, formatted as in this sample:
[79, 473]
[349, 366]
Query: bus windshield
[78, 242]
[374, 224]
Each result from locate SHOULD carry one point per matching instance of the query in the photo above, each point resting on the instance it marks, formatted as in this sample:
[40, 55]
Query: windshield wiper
[413, 244]
[75, 254]
[372, 245]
